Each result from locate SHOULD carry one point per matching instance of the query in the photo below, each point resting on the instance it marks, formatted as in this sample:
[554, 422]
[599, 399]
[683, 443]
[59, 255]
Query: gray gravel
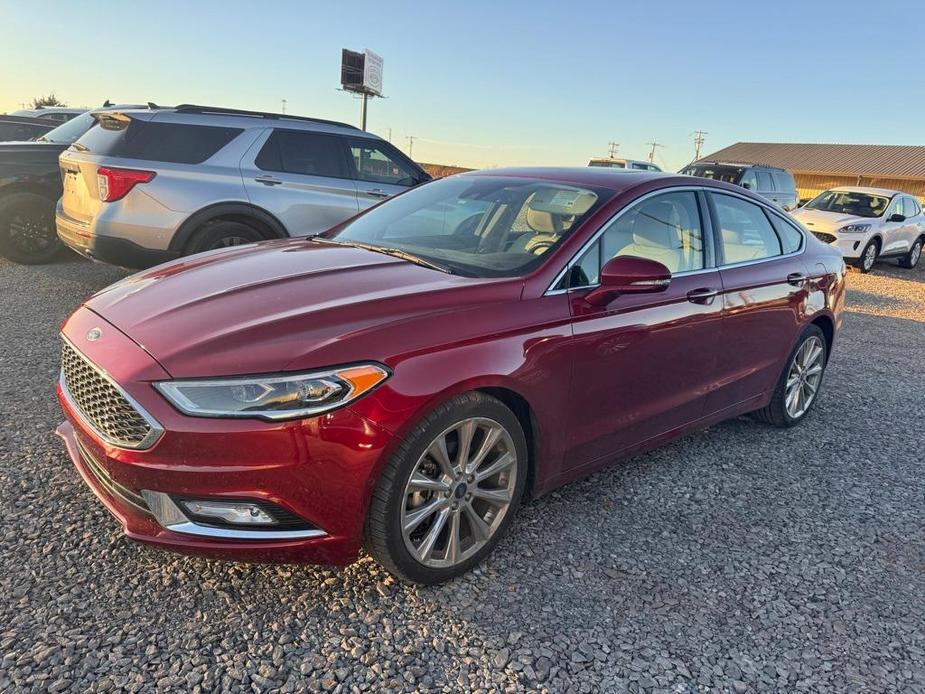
[741, 558]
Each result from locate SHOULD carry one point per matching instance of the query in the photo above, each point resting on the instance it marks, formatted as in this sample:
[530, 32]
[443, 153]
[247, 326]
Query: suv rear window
[177, 143]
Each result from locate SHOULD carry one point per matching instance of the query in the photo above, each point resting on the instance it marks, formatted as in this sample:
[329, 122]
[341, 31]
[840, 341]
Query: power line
[652, 151]
[698, 142]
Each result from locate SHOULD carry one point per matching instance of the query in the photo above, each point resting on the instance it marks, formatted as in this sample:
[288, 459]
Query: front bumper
[850, 245]
[321, 470]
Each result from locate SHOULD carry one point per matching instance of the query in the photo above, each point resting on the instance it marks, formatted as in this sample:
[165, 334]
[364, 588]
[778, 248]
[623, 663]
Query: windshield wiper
[394, 252]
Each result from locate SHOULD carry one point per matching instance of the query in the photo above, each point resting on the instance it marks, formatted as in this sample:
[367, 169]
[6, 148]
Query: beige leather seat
[654, 237]
[736, 251]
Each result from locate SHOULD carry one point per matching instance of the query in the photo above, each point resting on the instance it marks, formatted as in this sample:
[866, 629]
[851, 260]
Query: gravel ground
[742, 558]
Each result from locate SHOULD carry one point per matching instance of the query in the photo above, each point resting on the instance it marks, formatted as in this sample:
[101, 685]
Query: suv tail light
[114, 184]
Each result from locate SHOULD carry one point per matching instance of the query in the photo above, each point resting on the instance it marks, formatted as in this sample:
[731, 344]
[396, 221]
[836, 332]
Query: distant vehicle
[636, 164]
[146, 186]
[30, 185]
[59, 114]
[19, 129]
[866, 224]
[769, 182]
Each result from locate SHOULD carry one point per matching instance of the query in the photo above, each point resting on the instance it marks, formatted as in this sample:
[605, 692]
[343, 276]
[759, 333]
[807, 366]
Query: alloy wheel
[459, 492]
[870, 255]
[916, 254]
[228, 242]
[803, 377]
[31, 230]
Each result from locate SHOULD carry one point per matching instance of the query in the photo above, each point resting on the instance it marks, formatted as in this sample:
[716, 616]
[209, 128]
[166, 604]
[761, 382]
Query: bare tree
[50, 100]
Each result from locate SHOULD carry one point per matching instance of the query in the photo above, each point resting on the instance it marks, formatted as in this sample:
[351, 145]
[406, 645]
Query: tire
[448, 511]
[868, 257]
[27, 229]
[222, 234]
[911, 259]
[777, 411]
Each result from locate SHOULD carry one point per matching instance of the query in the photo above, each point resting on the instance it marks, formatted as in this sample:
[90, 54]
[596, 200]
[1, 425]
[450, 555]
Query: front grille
[825, 238]
[102, 405]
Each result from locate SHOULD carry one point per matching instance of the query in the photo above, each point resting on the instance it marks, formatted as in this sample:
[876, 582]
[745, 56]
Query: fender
[225, 209]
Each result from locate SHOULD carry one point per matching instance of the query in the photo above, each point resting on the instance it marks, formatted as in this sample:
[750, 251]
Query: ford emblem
[94, 334]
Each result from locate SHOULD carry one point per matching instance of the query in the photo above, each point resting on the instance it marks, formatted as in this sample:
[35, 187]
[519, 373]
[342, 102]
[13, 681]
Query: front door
[643, 364]
[302, 178]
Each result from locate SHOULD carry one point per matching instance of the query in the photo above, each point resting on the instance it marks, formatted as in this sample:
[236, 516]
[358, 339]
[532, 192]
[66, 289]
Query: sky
[493, 83]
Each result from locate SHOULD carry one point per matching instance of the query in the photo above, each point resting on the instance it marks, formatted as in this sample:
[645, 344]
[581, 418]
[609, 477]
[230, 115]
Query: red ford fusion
[403, 381]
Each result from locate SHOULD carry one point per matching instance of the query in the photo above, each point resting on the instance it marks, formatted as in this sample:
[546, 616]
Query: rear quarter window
[177, 143]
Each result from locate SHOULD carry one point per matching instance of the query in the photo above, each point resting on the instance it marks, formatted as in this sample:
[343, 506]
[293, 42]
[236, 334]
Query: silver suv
[145, 186]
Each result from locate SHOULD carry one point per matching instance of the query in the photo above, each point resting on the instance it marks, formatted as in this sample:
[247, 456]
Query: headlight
[856, 228]
[273, 397]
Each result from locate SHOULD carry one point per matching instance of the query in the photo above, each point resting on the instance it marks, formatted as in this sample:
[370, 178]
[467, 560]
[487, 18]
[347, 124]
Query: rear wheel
[868, 256]
[223, 234]
[799, 383]
[911, 259]
[27, 229]
[449, 492]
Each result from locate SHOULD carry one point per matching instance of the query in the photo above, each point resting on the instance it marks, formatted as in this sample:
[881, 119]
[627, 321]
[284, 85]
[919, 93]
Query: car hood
[288, 305]
[819, 220]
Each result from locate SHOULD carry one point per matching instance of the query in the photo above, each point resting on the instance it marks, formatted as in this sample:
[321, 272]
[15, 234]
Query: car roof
[601, 177]
[870, 191]
[739, 164]
[237, 118]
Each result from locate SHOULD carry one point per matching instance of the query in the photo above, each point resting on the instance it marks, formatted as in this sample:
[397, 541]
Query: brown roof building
[820, 167]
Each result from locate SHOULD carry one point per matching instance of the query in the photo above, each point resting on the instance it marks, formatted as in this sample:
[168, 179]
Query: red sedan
[405, 380]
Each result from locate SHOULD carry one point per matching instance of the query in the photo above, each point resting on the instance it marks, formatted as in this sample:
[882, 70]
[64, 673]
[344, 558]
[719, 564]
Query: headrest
[562, 201]
[652, 226]
[540, 221]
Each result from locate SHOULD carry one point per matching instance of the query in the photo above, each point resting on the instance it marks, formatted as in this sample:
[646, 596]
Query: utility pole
[284, 107]
[652, 151]
[411, 139]
[390, 134]
[363, 111]
[614, 146]
[698, 142]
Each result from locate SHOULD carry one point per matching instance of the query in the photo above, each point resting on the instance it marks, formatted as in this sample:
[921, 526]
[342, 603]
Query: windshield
[848, 202]
[67, 133]
[481, 226]
[729, 174]
[609, 163]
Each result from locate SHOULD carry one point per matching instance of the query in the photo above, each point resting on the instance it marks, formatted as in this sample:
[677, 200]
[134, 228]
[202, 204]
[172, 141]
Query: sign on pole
[372, 73]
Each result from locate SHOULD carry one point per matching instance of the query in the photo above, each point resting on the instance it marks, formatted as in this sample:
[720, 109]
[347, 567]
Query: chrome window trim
[551, 291]
[156, 429]
[171, 517]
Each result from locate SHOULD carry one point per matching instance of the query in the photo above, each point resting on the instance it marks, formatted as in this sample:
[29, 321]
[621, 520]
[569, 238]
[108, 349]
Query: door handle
[797, 279]
[268, 180]
[377, 193]
[704, 295]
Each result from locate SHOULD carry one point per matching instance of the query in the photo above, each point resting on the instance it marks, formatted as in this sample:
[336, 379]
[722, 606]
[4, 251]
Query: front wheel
[911, 259]
[449, 492]
[868, 256]
[27, 229]
[799, 383]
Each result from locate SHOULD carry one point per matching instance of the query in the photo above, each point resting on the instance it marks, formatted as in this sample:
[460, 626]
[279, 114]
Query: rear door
[380, 170]
[301, 177]
[764, 284]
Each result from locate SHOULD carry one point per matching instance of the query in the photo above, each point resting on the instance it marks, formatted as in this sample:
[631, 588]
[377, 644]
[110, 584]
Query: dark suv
[769, 182]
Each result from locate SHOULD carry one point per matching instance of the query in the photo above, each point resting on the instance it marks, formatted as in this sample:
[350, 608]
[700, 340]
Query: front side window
[744, 230]
[912, 207]
[482, 226]
[764, 181]
[749, 180]
[897, 208]
[718, 172]
[665, 228]
[850, 203]
[308, 154]
[375, 164]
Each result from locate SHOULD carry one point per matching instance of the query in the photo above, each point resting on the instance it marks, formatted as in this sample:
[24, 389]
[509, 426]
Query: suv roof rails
[737, 163]
[193, 108]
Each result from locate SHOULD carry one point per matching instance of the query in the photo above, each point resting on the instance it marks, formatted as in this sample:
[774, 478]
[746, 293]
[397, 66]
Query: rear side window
[177, 143]
[790, 238]
[784, 181]
[308, 154]
[745, 232]
[764, 180]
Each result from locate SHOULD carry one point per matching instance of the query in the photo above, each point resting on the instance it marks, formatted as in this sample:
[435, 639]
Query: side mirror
[896, 218]
[629, 274]
[746, 185]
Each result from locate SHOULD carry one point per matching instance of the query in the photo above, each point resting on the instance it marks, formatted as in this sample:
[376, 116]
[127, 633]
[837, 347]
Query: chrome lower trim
[169, 515]
[156, 429]
[106, 481]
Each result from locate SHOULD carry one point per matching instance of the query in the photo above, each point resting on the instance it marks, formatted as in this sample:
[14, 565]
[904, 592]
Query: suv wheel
[223, 234]
[868, 256]
[449, 492]
[911, 259]
[27, 229]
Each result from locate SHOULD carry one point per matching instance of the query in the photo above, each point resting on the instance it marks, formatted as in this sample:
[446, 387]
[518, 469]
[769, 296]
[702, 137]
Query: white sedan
[866, 224]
